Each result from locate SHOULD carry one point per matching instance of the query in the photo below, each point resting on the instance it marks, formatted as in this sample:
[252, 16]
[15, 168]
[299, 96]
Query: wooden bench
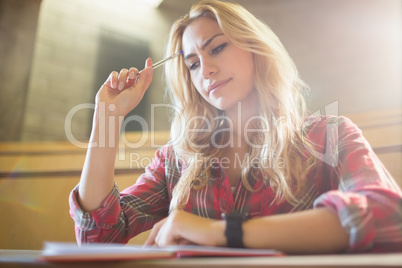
[36, 179]
[383, 130]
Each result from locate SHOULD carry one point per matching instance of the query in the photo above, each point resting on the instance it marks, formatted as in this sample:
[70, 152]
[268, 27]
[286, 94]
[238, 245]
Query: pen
[160, 63]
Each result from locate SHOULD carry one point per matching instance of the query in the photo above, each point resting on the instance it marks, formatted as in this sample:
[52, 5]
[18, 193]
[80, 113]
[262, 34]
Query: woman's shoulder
[165, 151]
[320, 120]
[321, 124]
[168, 152]
[330, 136]
[326, 130]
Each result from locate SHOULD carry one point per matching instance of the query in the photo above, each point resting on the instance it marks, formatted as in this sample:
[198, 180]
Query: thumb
[145, 78]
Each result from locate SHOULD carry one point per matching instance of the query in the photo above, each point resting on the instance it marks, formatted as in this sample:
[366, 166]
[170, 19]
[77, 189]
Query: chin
[225, 105]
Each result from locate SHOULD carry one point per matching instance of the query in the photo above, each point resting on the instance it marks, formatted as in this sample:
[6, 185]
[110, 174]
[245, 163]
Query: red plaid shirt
[350, 180]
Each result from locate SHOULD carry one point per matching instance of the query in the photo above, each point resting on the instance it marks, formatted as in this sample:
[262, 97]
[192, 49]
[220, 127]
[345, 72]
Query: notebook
[71, 252]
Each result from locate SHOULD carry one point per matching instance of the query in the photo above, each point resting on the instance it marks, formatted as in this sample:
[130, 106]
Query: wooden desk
[27, 258]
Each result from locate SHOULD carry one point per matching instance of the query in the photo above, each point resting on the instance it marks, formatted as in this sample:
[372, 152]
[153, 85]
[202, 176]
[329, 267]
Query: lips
[216, 85]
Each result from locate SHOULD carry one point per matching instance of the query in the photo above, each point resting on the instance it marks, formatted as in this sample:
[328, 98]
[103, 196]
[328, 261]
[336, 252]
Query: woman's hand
[183, 228]
[122, 91]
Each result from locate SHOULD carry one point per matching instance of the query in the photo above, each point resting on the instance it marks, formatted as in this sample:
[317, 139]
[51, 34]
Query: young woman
[245, 166]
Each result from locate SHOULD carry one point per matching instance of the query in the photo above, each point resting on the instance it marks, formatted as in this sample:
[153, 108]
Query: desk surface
[27, 258]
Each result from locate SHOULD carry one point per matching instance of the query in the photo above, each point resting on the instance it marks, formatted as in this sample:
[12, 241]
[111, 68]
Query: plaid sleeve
[367, 199]
[123, 215]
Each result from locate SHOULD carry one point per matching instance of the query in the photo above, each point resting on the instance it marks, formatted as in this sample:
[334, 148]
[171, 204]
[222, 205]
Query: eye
[193, 66]
[219, 48]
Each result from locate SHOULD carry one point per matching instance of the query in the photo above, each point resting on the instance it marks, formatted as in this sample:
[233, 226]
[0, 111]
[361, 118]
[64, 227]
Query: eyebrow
[206, 43]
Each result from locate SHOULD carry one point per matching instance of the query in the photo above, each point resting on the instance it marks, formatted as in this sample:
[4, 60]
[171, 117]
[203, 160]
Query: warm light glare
[149, 3]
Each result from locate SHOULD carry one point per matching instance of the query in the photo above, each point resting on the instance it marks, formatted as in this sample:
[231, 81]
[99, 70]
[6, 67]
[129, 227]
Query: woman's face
[221, 72]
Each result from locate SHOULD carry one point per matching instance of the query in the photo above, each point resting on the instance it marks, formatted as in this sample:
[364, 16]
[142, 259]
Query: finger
[185, 242]
[132, 76]
[164, 237]
[122, 78]
[148, 62]
[145, 77]
[132, 73]
[111, 80]
[152, 236]
[158, 239]
[108, 81]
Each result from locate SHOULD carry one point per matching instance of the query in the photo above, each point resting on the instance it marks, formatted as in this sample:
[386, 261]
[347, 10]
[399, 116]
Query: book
[71, 252]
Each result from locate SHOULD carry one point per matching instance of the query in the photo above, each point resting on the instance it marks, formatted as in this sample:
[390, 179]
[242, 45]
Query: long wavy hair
[281, 105]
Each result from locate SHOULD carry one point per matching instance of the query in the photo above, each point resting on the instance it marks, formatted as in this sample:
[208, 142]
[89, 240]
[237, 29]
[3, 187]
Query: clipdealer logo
[330, 156]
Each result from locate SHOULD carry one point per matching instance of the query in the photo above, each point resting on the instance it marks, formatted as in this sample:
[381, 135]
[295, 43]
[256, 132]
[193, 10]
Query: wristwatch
[234, 231]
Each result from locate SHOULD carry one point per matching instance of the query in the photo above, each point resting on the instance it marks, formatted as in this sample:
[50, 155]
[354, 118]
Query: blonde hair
[281, 103]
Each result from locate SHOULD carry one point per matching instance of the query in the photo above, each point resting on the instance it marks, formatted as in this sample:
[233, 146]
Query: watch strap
[234, 230]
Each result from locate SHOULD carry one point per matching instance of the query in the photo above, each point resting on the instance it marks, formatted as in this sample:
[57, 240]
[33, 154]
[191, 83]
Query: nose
[209, 68]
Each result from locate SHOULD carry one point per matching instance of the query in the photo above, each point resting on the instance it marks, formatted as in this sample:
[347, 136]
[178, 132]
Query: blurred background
[55, 54]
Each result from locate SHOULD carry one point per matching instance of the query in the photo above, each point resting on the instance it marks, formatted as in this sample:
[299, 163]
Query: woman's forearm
[97, 178]
[120, 93]
[310, 231]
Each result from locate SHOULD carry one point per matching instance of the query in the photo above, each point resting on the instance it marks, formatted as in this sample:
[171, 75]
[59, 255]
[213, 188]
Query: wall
[18, 20]
[347, 51]
[65, 60]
